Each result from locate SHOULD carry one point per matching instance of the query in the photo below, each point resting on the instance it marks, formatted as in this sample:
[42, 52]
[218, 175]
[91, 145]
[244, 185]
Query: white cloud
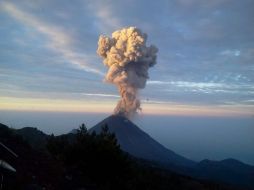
[188, 84]
[205, 87]
[197, 84]
[157, 82]
[231, 52]
[101, 95]
[104, 12]
[60, 41]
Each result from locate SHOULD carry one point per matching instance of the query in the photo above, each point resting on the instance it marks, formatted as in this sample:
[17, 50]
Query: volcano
[138, 143]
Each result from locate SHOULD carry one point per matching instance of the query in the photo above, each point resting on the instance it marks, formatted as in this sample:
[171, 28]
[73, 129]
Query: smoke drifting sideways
[128, 60]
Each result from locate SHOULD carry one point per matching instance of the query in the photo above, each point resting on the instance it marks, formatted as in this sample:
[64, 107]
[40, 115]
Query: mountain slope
[228, 171]
[36, 138]
[138, 143]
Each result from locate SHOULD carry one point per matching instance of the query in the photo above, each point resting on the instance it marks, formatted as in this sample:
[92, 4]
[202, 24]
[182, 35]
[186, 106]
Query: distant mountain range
[139, 144]
[228, 171]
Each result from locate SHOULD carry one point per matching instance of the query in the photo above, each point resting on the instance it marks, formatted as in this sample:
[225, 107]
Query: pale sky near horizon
[205, 66]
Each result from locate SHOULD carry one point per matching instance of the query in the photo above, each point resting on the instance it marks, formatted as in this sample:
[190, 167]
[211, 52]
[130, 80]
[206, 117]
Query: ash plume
[128, 60]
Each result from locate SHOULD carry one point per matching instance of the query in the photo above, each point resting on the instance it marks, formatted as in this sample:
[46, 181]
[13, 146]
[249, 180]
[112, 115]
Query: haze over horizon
[51, 77]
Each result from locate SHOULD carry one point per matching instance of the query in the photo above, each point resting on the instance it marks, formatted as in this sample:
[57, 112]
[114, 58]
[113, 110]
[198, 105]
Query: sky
[205, 64]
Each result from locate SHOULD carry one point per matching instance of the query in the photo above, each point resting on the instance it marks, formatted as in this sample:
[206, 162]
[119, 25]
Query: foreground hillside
[84, 161]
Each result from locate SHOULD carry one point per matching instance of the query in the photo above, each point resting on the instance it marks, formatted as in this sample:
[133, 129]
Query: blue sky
[205, 62]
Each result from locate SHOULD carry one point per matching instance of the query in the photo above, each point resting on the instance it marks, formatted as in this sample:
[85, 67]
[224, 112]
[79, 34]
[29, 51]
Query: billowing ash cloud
[128, 59]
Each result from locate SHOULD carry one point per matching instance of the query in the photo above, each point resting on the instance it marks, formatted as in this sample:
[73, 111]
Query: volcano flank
[138, 143]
